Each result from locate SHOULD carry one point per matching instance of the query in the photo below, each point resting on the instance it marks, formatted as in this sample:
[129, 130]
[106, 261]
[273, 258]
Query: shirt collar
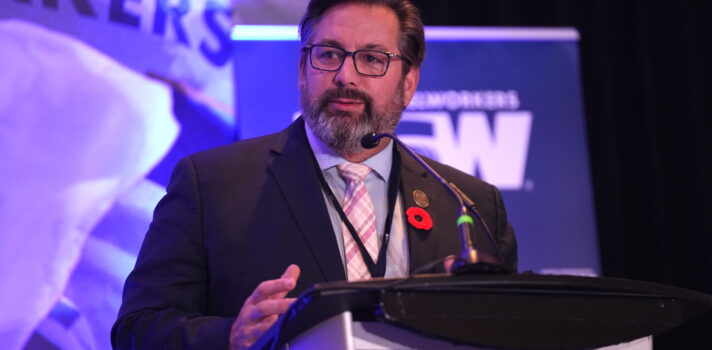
[327, 158]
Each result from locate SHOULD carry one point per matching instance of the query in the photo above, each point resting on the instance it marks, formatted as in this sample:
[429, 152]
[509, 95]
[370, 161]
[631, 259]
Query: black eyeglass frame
[390, 56]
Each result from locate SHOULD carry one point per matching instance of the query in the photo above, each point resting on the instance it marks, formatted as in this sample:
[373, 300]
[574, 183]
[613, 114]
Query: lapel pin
[421, 199]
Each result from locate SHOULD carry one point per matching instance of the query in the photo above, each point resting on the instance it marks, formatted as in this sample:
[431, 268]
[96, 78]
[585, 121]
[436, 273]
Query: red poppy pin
[419, 218]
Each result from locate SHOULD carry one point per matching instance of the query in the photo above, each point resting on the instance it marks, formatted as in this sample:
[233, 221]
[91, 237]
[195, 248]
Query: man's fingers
[270, 307]
[447, 264]
[292, 272]
[267, 289]
[276, 288]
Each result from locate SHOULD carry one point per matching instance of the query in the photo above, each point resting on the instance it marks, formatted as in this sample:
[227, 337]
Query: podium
[519, 311]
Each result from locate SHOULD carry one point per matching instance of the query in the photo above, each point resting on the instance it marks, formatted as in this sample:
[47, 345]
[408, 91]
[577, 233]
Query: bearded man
[309, 203]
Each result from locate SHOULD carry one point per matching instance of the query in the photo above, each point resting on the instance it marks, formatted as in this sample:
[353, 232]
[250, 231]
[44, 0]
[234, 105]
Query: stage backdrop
[503, 104]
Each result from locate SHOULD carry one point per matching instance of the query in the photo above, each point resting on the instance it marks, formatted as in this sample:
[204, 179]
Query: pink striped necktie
[358, 207]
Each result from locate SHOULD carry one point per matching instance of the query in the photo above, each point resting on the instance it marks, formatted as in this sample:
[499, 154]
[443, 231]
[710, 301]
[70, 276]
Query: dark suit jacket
[240, 214]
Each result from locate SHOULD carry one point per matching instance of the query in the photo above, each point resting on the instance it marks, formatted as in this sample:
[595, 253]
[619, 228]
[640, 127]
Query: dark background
[646, 82]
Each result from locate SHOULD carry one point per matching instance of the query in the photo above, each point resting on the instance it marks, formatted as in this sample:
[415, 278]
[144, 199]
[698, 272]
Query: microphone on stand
[372, 140]
[470, 259]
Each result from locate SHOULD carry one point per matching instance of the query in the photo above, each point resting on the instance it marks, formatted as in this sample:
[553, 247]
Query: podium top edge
[524, 283]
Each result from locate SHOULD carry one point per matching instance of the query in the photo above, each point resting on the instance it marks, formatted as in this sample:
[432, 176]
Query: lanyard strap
[375, 269]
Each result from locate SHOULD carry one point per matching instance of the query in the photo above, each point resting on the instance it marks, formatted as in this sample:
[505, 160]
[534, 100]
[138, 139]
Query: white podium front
[342, 332]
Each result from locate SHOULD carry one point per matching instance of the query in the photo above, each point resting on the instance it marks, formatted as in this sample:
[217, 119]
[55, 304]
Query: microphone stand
[470, 260]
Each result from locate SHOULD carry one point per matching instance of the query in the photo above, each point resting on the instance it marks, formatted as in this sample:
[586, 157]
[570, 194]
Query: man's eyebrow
[375, 47]
[330, 43]
[372, 46]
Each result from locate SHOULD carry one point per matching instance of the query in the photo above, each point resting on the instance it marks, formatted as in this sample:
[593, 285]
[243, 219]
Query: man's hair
[412, 39]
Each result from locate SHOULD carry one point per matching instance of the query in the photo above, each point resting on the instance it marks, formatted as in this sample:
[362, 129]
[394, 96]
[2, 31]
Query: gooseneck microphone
[372, 140]
[470, 259]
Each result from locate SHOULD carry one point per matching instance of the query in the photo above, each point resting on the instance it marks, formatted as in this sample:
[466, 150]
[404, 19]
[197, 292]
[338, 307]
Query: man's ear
[410, 84]
[300, 75]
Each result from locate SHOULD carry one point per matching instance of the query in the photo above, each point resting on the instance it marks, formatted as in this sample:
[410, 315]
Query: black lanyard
[375, 269]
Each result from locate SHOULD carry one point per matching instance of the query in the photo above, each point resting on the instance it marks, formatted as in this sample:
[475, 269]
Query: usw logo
[496, 153]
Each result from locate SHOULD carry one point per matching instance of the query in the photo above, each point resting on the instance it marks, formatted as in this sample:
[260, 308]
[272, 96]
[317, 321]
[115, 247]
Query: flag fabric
[77, 130]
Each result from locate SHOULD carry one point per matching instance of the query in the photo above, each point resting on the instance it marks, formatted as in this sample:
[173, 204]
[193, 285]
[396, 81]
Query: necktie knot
[353, 172]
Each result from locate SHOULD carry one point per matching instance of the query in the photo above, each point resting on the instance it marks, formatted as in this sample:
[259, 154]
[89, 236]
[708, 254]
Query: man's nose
[347, 74]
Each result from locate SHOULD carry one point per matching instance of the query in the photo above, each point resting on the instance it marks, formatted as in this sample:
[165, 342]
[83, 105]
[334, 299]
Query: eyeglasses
[372, 63]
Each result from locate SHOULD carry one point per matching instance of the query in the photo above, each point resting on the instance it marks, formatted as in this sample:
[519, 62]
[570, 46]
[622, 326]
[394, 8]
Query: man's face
[340, 107]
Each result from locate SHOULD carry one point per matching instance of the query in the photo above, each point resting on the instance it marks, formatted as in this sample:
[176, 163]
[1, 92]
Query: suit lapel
[294, 171]
[441, 240]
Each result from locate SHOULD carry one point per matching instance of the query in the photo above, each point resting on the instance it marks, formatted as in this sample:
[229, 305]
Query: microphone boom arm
[470, 259]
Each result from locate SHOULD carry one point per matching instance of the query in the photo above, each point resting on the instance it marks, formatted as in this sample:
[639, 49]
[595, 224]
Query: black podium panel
[501, 311]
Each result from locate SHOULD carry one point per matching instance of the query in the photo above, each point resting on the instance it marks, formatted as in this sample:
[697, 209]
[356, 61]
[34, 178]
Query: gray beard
[342, 131]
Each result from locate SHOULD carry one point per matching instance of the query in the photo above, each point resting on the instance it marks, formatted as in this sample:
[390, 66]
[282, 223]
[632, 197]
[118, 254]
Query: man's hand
[263, 308]
[447, 264]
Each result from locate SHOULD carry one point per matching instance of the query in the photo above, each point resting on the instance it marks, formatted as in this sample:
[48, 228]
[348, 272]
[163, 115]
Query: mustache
[352, 94]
